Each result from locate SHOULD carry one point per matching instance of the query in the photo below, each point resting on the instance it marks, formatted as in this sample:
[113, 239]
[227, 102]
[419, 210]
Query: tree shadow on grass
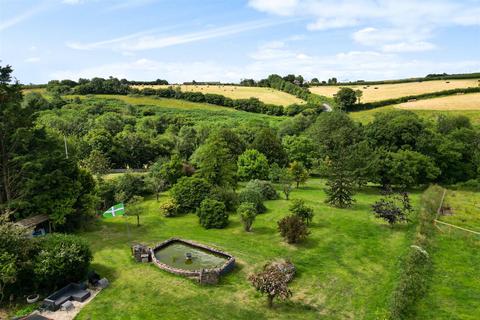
[290, 306]
[105, 271]
[263, 230]
[308, 243]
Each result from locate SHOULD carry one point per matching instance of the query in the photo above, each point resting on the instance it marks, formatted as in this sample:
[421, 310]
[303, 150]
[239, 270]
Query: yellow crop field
[389, 91]
[267, 95]
[469, 101]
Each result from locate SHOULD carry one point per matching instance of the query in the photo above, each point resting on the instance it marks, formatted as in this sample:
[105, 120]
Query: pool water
[174, 256]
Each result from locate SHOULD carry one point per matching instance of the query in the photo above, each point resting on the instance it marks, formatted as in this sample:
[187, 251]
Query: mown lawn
[347, 268]
[455, 285]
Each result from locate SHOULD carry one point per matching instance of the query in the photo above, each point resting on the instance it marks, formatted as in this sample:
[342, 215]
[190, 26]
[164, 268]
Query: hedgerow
[417, 264]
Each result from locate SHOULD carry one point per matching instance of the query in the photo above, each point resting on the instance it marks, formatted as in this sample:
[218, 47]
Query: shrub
[272, 281]
[212, 214]
[293, 229]
[393, 208]
[16, 251]
[252, 165]
[253, 196]
[265, 188]
[248, 213]
[189, 192]
[169, 208]
[129, 185]
[60, 260]
[300, 209]
[228, 196]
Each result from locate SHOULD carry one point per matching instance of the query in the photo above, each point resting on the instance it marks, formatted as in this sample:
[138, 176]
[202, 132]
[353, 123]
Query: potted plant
[33, 298]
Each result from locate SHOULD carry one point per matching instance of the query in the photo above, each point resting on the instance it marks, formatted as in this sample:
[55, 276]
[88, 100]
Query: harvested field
[391, 91]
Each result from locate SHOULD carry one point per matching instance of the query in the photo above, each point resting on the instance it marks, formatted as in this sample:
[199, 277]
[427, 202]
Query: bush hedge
[189, 192]
[212, 214]
[417, 264]
[61, 259]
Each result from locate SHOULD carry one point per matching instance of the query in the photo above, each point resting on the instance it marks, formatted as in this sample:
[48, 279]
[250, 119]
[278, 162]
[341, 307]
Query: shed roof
[33, 221]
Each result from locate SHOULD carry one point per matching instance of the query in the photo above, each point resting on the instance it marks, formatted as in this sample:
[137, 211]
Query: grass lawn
[368, 115]
[455, 285]
[267, 95]
[390, 91]
[347, 268]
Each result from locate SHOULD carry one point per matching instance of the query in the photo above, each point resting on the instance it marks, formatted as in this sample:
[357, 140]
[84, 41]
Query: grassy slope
[455, 290]
[197, 111]
[390, 91]
[346, 269]
[267, 95]
[368, 115]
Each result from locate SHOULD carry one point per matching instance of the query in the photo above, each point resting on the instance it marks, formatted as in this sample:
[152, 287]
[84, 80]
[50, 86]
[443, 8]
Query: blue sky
[213, 40]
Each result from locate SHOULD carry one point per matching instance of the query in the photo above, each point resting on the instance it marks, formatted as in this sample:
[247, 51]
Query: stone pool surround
[198, 274]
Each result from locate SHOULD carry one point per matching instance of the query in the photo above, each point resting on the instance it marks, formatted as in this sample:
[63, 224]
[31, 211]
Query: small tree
[345, 98]
[293, 229]
[156, 179]
[272, 282]
[300, 209]
[359, 94]
[298, 172]
[248, 213]
[212, 214]
[133, 208]
[393, 208]
[340, 183]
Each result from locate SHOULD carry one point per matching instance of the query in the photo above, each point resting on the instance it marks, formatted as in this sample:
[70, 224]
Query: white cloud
[325, 24]
[389, 25]
[409, 47]
[144, 69]
[352, 65]
[146, 40]
[395, 39]
[282, 7]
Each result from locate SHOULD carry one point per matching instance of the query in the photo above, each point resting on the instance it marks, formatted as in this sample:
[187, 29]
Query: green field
[196, 111]
[368, 115]
[347, 268]
[455, 287]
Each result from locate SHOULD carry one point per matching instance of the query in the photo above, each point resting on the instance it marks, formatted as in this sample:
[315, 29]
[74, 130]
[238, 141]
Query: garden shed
[38, 224]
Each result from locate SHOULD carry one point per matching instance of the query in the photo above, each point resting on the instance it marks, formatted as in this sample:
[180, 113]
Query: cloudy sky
[184, 40]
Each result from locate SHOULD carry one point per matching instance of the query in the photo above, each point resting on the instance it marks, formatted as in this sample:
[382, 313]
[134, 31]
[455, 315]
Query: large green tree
[267, 142]
[36, 177]
[252, 165]
[214, 163]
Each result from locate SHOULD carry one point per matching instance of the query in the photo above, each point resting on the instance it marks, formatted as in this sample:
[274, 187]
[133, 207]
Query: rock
[103, 283]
